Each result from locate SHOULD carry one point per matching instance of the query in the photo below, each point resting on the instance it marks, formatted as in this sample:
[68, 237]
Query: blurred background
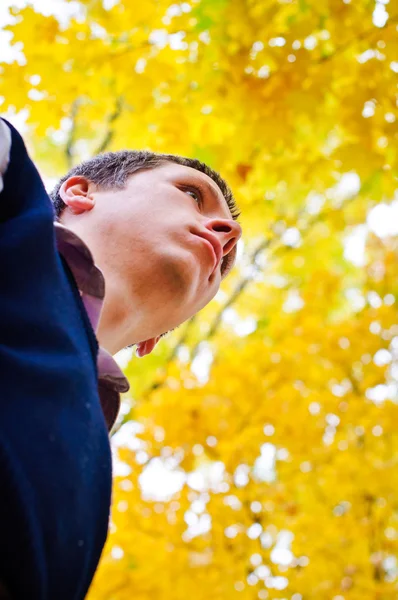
[256, 454]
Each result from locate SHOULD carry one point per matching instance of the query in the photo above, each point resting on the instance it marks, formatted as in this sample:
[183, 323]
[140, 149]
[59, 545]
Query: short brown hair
[112, 170]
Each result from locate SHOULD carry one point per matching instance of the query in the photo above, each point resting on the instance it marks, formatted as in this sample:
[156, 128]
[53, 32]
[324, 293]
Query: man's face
[163, 243]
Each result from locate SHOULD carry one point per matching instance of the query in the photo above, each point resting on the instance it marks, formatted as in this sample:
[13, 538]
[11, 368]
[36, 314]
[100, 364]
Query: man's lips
[215, 246]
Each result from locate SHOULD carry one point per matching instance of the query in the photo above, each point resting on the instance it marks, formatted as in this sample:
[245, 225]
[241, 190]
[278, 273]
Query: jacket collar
[91, 284]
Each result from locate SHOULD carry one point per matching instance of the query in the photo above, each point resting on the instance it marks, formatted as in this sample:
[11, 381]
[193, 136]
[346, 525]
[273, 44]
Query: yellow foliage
[277, 470]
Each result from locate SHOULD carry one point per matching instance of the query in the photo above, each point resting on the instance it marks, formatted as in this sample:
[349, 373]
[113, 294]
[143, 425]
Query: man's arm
[55, 459]
[5, 146]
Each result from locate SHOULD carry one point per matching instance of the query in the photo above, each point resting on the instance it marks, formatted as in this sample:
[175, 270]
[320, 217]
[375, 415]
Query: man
[160, 231]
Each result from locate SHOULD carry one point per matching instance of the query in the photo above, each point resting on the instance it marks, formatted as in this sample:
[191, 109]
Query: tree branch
[71, 138]
[110, 131]
[362, 36]
[242, 284]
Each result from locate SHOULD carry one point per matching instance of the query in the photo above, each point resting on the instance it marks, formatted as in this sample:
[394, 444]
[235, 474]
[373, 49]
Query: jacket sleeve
[55, 458]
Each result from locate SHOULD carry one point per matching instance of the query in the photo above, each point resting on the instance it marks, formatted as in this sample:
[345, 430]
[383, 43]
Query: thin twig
[359, 38]
[71, 138]
[242, 284]
[110, 131]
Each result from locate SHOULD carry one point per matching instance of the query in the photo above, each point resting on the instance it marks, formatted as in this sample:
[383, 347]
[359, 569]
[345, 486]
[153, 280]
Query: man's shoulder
[5, 147]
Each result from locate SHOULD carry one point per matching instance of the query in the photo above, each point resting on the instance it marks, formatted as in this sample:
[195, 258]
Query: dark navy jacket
[55, 462]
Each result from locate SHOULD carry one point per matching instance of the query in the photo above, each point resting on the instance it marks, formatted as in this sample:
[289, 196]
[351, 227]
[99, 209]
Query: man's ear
[76, 193]
[147, 346]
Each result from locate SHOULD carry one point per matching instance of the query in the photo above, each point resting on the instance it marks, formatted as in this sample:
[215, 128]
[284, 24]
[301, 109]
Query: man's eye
[195, 195]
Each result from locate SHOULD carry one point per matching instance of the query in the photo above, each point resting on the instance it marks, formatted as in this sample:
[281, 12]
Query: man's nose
[228, 232]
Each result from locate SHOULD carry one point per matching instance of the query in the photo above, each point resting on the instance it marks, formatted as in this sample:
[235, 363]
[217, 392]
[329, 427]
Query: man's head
[162, 229]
